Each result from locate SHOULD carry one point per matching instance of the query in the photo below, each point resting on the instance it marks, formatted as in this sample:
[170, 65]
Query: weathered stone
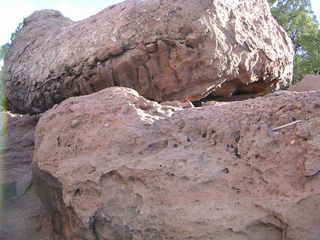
[21, 210]
[166, 50]
[232, 171]
[308, 83]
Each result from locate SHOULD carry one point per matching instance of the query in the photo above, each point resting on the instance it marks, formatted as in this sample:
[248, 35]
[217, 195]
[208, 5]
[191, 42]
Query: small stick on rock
[286, 125]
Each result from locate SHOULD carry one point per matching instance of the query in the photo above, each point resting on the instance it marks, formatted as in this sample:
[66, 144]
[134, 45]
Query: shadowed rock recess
[235, 171]
[166, 50]
[22, 216]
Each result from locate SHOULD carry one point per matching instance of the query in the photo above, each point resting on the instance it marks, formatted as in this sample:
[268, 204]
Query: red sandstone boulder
[113, 165]
[166, 50]
[308, 83]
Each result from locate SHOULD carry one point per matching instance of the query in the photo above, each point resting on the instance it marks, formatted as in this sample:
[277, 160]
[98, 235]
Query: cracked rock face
[147, 171]
[166, 50]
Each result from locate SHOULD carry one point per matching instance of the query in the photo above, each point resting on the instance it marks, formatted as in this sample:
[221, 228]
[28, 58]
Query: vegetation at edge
[299, 21]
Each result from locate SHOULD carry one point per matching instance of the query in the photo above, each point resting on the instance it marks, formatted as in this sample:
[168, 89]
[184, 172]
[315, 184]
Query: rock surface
[166, 50]
[149, 171]
[308, 83]
[21, 210]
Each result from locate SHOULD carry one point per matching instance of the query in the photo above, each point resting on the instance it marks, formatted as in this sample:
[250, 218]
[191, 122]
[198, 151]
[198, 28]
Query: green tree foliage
[299, 21]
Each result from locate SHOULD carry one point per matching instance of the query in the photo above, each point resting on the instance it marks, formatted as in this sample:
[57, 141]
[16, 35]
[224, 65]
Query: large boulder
[308, 83]
[235, 171]
[166, 50]
[22, 215]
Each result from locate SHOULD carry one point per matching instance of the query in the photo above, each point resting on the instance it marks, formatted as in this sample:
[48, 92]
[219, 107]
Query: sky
[12, 12]
[316, 8]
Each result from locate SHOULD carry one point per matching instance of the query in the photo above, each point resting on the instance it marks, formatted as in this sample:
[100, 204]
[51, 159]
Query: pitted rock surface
[113, 165]
[166, 50]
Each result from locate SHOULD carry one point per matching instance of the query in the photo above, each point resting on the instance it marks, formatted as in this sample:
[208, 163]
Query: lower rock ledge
[134, 169]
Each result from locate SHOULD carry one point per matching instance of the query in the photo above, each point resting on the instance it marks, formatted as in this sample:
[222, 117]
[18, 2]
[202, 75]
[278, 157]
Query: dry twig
[287, 125]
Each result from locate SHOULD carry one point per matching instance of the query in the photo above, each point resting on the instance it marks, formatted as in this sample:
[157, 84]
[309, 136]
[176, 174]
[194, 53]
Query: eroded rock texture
[21, 212]
[149, 171]
[166, 50]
